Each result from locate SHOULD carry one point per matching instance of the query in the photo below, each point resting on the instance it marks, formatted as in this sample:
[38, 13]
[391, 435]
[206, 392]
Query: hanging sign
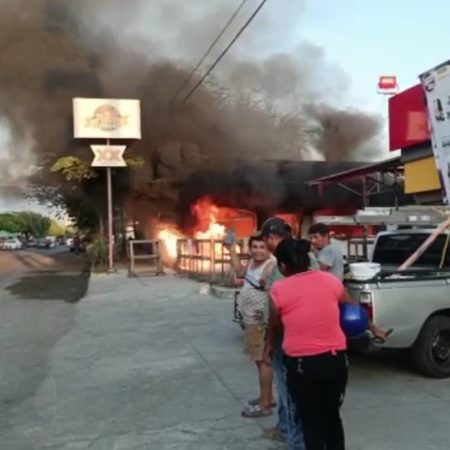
[436, 85]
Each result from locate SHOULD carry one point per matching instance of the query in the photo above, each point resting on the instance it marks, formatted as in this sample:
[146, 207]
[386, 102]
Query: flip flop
[255, 412]
[274, 434]
[255, 402]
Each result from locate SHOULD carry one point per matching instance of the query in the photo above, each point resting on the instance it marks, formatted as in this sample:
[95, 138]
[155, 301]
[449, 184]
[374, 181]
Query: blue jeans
[288, 420]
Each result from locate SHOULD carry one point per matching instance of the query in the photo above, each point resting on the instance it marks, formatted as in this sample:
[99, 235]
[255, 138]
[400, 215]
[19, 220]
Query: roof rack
[405, 215]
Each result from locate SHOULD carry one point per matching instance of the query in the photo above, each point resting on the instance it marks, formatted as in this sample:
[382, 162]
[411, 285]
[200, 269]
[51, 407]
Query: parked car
[12, 244]
[415, 303]
[32, 243]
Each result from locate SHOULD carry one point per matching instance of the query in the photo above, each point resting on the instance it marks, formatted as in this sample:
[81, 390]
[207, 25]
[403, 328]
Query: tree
[56, 229]
[26, 222]
[34, 224]
[11, 222]
[81, 193]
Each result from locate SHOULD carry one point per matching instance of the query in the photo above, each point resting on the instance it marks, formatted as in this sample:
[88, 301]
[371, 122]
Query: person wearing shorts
[252, 304]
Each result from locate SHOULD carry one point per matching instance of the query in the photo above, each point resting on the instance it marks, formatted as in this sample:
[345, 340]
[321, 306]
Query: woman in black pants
[306, 304]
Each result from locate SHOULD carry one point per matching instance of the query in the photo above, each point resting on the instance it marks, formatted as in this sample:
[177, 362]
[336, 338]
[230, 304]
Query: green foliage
[73, 169]
[11, 222]
[56, 229]
[26, 222]
[34, 224]
[97, 252]
[135, 163]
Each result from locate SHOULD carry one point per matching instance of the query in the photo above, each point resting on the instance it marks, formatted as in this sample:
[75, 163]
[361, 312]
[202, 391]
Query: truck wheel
[431, 351]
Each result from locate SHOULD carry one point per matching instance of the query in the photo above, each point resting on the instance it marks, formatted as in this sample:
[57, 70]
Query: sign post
[107, 119]
[436, 85]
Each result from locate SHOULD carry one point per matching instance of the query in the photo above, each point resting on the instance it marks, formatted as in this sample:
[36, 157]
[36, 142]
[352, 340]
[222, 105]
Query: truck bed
[403, 301]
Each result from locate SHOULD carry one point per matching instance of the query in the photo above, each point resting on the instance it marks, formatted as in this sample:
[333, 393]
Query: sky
[369, 38]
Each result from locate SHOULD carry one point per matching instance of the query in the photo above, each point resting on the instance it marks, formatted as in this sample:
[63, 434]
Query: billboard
[436, 85]
[408, 119]
[100, 118]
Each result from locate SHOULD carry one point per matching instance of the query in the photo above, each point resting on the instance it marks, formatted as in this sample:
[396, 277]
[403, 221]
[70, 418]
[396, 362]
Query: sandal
[255, 412]
[255, 402]
[274, 434]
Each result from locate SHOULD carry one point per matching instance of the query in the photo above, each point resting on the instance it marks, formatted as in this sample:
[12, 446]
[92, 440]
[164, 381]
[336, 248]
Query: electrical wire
[208, 51]
[223, 53]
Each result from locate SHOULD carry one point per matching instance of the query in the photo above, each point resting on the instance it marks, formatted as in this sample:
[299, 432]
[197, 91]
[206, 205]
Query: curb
[223, 292]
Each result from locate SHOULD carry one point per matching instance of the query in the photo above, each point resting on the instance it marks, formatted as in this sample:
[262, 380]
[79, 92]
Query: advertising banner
[436, 85]
[106, 118]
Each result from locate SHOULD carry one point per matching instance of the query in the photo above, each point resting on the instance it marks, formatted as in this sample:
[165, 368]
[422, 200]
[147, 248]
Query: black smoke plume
[253, 109]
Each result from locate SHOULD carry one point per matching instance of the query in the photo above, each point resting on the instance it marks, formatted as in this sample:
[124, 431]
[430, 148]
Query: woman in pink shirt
[306, 304]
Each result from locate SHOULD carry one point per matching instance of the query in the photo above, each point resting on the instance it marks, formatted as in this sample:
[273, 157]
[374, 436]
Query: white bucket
[364, 271]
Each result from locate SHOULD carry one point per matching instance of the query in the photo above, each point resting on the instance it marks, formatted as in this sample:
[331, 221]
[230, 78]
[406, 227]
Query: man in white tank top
[252, 305]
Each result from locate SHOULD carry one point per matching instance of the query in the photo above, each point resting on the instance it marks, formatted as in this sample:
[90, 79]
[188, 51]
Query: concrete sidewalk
[149, 364]
[152, 364]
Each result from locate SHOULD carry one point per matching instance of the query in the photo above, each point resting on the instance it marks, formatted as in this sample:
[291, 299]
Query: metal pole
[110, 222]
[110, 219]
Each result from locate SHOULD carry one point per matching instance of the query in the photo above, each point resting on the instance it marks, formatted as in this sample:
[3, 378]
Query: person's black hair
[319, 228]
[255, 237]
[294, 254]
[277, 227]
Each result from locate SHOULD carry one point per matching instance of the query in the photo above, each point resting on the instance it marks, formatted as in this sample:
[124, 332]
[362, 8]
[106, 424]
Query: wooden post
[423, 248]
[131, 265]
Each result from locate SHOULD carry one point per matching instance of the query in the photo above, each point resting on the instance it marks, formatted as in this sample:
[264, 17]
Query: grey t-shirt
[332, 257]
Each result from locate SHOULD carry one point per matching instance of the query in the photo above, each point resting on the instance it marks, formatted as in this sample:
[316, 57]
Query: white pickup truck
[414, 303]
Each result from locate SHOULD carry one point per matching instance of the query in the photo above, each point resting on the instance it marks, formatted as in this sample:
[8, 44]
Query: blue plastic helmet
[354, 320]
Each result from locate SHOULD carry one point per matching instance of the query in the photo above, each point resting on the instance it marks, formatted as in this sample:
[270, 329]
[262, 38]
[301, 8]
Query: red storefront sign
[387, 84]
[408, 119]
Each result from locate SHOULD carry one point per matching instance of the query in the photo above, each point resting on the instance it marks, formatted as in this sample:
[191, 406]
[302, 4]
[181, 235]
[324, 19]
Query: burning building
[244, 140]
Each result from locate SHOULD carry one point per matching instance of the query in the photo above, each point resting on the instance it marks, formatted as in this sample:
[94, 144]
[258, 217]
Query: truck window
[394, 249]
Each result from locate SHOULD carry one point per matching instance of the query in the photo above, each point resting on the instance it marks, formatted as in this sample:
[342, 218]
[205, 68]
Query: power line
[224, 52]
[208, 51]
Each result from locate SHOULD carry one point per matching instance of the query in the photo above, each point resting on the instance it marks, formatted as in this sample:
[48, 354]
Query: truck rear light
[365, 300]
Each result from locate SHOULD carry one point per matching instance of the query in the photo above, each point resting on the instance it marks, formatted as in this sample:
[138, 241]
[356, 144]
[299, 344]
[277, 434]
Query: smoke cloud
[260, 103]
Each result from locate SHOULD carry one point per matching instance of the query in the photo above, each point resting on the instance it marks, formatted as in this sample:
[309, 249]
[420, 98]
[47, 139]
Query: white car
[12, 244]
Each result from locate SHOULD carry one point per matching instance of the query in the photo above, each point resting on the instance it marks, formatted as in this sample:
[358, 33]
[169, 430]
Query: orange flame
[169, 235]
[208, 217]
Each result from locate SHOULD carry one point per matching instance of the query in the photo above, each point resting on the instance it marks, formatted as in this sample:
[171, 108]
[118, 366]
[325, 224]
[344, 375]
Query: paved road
[152, 364]
[38, 291]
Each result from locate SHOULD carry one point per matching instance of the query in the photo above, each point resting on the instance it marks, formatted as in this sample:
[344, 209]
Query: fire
[208, 216]
[169, 235]
[209, 224]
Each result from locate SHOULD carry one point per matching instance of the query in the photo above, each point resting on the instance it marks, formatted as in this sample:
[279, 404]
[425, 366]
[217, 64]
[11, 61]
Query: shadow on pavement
[52, 285]
[383, 361]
